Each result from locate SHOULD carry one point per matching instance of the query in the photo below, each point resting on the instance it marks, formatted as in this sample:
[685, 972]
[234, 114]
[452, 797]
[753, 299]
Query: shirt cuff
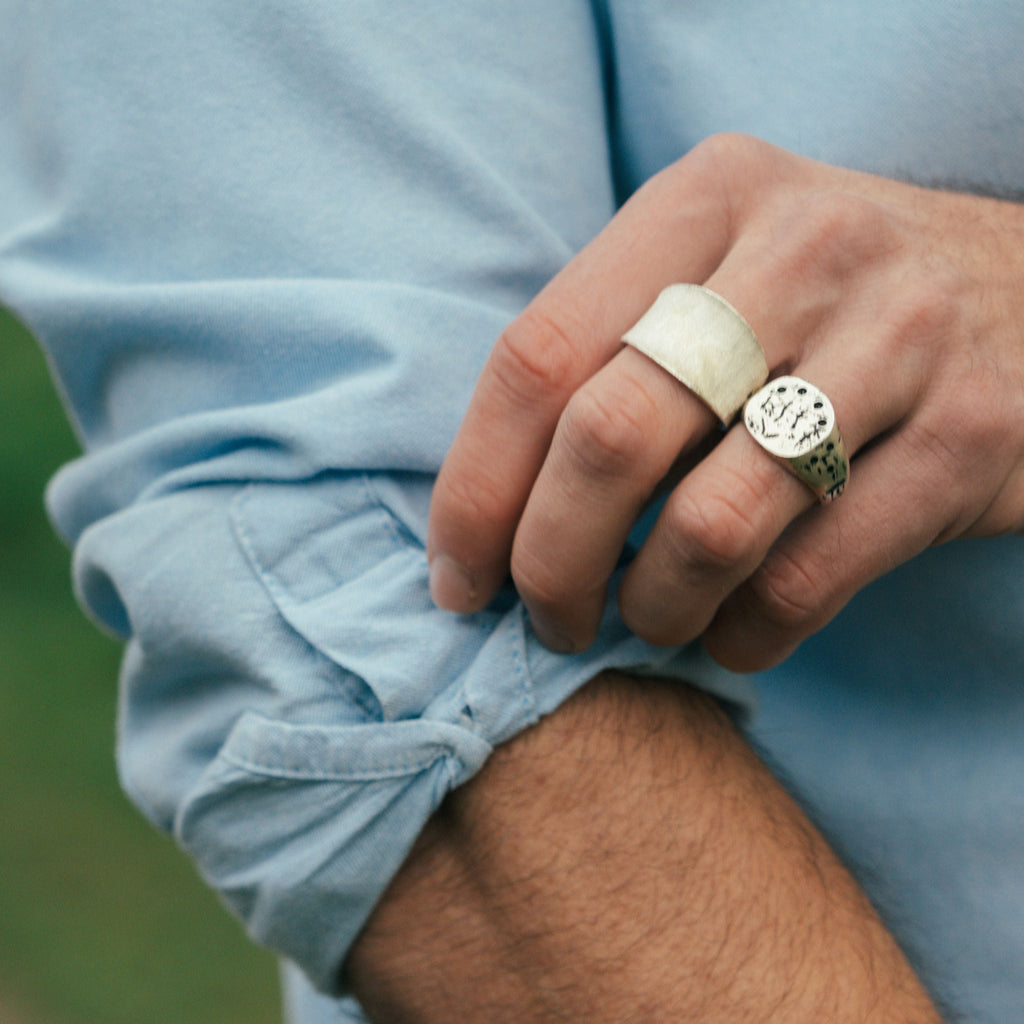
[295, 707]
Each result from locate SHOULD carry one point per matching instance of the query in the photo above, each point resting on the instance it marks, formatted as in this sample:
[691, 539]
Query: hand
[904, 305]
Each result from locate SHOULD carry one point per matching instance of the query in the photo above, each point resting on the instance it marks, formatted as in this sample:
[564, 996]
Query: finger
[818, 567]
[678, 227]
[721, 521]
[613, 444]
[791, 276]
[930, 481]
[619, 436]
[566, 334]
[712, 532]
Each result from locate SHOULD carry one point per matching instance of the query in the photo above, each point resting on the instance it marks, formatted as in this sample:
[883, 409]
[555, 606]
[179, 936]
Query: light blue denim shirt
[267, 248]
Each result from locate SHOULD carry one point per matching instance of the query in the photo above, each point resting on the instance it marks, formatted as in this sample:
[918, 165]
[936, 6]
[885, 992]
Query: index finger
[569, 331]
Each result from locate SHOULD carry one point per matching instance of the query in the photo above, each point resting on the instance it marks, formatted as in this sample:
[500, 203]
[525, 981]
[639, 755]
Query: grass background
[102, 920]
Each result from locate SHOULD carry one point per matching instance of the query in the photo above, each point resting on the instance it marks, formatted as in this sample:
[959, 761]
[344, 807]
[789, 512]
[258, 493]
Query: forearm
[629, 859]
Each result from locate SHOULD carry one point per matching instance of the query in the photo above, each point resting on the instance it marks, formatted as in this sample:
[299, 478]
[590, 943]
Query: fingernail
[451, 585]
[553, 639]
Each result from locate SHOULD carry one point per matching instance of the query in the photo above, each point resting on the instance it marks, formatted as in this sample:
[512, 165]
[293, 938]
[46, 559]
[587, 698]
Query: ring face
[795, 421]
[789, 417]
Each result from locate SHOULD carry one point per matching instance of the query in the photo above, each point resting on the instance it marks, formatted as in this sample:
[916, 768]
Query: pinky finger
[897, 506]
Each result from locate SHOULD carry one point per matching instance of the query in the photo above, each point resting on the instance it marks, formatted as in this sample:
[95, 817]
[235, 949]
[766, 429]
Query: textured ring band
[794, 421]
[694, 334]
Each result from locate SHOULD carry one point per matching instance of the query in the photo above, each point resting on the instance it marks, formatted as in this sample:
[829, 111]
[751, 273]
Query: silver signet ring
[795, 421]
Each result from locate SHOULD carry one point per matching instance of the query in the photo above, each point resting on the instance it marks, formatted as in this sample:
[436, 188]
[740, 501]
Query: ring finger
[721, 521]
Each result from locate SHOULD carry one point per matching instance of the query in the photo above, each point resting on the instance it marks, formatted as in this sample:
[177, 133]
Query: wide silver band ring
[694, 334]
[794, 421]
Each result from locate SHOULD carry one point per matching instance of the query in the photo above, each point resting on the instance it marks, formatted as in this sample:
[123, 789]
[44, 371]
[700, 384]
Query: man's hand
[629, 860]
[904, 305]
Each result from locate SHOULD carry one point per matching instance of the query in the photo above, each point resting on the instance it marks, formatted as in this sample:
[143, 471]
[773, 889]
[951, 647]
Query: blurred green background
[102, 920]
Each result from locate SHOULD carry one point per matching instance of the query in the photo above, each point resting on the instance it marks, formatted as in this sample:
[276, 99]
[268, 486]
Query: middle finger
[619, 437]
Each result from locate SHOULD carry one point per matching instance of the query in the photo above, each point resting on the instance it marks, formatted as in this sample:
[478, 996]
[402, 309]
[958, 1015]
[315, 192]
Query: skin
[903, 304]
[629, 860]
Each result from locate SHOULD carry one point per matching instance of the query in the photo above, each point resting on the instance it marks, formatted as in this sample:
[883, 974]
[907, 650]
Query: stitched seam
[274, 586]
[522, 669]
[282, 601]
[400, 532]
[295, 774]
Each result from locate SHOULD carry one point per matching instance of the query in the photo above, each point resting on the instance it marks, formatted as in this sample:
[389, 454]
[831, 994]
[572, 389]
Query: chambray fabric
[267, 248]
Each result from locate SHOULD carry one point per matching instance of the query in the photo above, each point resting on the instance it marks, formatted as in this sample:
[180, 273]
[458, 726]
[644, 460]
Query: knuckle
[936, 447]
[962, 426]
[924, 310]
[831, 233]
[535, 358]
[791, 594]
[833, 212]
[728, 153]
[713, 534]
[727, 166]
[943, 458]
[977, 430]
[609, 432]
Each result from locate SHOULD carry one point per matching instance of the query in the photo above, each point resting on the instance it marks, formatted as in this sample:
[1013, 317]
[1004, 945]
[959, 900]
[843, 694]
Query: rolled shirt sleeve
[267, 249]
[295, 707]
